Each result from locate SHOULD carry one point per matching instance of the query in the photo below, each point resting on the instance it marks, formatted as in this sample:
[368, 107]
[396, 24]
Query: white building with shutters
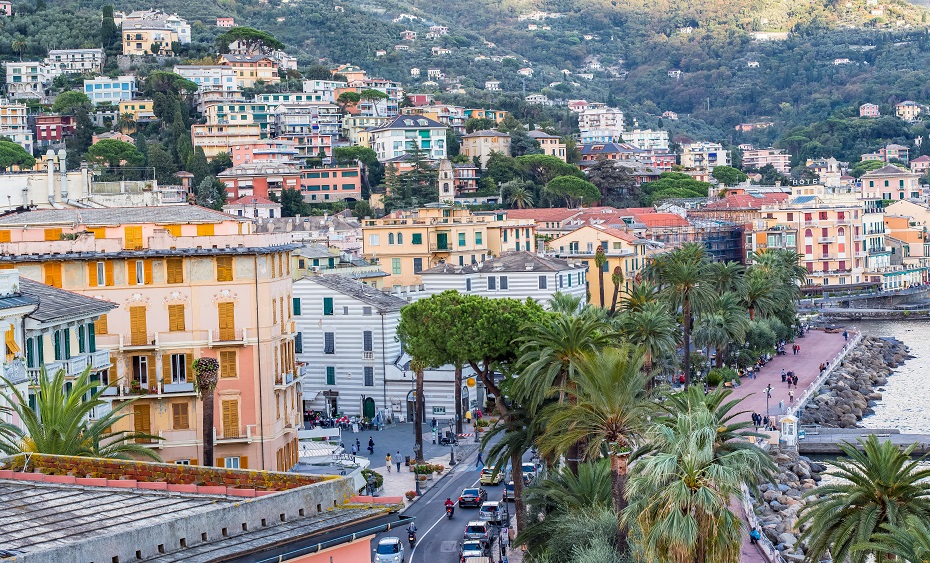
[518, 275]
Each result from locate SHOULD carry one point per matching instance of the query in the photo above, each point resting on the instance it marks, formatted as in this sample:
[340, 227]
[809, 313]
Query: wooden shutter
[277, 355]
[274, 272]
[228, 367]
[142, 421]
[12, 348]
[220, 462]
[98, 232]
[108, 271]
[133, 238]
[179, 416]
[224, 268]
[150, 362]
[227, 320]
[5, 236]
[166, 368]
[137, 326]
[230, 419]
[175, 230]
[131, 272]
[327, 305]
[189, 372]
[147, 271]
[243, 462]
[283, 318]
[176, 318]
[52, 273]
[296, 301]
[205, 230]
[92, 274]
[100, 325]
[175, 270]
[274, 312]
[195, 461]
[52, 234]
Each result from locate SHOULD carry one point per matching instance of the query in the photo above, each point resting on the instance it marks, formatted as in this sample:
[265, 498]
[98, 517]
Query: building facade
[481, 144]
[110, 90]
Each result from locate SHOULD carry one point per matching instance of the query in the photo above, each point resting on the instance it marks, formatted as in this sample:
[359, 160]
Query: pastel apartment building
[704, 156]
[251, 69]
[398, 137]
[259, 179]
[14, 124]
[601, 125]
[75, 61]
[140, 110]
[269, 150]
[209, 77]
[225, 22]
[148, 37]
[188, 283]
[869, 110]
[758, 158]
[332, 183]
[908, 110]
[49, 130]
[28, 80]
[551, 145]
[215, 139]
[890, 183]
[481, 144]
[110, 90]
[920, 165]
[409, 242]
[647, 139]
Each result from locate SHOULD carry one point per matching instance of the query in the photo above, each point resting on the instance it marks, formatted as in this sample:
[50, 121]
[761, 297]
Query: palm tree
[60, 421]
[419, 404]
[728, 276]
[653, 329]
[511, 437]
[611, 408]
[684, 277]
[680, 494]
[19, 45]
[519, 196]
[127, 122]
[710, 331]
[760, 295]
[600, 259]
[564, 490]
[908, 543]
[617, 279]
[881, 487]
[565, 304]
[582, 535]
[206, 376]
[640, 293]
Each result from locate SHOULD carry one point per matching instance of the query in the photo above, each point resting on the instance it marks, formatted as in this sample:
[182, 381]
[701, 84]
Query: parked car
[472, 497]
[491, 476]
[389, 550]
[475, 548]
[529, 472]
[478, 530]
[491, 512]
[509, 492]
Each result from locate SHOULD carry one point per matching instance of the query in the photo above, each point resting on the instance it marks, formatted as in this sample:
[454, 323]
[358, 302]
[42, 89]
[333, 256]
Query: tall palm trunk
[618, 470]
[516, 461]
[617, 278]
[600, 281]
[419, 405]
[686, 322]
[208, 429]
[458, 399]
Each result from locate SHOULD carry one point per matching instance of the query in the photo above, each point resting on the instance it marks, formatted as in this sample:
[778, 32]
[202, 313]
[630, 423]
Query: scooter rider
[412, 534]
[450, 505]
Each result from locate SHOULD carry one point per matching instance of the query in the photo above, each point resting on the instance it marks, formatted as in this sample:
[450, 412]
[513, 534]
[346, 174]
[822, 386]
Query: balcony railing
[826, 240]
[285, 379]
[226, 337]
[15, 371]
[77, 364]
[127, 390]
[440, 247]
[74, 365]
[100, 359]
[242, 433]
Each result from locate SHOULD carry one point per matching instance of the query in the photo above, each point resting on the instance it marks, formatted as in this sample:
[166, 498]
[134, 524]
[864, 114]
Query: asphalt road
[438, 537]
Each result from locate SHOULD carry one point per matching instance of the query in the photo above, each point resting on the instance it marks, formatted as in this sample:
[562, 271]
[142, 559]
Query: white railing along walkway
[815, 385]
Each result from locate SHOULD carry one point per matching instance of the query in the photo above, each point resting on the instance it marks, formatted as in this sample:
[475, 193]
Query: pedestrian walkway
[816, 347]
[748, 552]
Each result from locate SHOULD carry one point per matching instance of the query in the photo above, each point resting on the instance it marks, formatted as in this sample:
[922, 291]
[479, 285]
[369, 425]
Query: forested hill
[621, 51]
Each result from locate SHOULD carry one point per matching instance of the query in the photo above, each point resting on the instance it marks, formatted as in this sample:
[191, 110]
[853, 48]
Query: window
[224, 268]
[369, 376]
[179, 417]
[503, 282]
[374, 240]
[417, 265]
[467, 284]
[543, 282]
[327, 306]
[228, 366]
[330, 375]
[329, 342]
[416, 238]
[367, 341]
[462, 239]
[230, 413]
[492, 282]
[299, 343]
[62, 340]
[140, 370]
[295, 302]
[226, 313]
[52, 273]
[205, 230]
[132, 238]
[390, 238]
[176, 318]
[100, 325]
[52, 234]
[395, 266]
[138, 332]
[400, 238]
[177, 369]
[366, 311]
[479, 238]
[175, 270]
[345, 310]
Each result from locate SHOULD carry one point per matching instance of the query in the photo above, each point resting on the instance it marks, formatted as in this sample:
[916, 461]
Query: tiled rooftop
[116, 216]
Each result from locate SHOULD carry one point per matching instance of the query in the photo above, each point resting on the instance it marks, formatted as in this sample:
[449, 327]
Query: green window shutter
[91, 338]
[327, 305]
[417, 238]
[296, 305]
[30, 353]
[82, 342]
[57, 345]
[40, 349]
[330, 375]
[67, 338]
[462, 239]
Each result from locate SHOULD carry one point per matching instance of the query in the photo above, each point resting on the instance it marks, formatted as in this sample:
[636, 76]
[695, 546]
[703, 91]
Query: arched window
[390, 238]
[400, 238]
[841, 240]
[808, 233]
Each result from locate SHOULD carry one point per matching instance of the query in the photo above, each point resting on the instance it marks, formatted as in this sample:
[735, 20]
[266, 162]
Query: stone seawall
[852, 390]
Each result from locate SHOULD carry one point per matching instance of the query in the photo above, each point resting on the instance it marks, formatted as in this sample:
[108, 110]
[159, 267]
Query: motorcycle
[412, 538]
[449, 511]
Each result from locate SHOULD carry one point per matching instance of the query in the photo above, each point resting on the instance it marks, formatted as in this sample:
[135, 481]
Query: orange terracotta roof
[250, 199]
[747, 201]
[543, 215]
[662, 220]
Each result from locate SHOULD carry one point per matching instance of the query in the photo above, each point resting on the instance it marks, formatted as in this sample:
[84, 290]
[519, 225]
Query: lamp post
[452, 445]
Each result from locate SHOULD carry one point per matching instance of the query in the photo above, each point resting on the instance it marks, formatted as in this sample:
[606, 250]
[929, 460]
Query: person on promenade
[790, 397]
[794, 378]
[397, 460]
[480, 461]
[387, 462]
[845, 335]
[754, 536]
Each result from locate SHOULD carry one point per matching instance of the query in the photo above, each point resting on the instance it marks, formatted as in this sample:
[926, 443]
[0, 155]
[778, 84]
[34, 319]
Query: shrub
[719, 375]
[379, 479]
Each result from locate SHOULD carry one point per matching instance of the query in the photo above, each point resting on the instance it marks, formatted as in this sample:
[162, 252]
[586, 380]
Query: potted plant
[437, 469]
[410, 495]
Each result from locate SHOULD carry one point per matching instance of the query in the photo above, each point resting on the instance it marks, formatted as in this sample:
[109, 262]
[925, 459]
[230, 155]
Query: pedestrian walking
[371, 446]
[480, 461]
[354, 449]
[397, 460]
[754, 536]
[790, 397]
[799, 348]
[358, 445]
[783, 374]
[795, 379]
[845, 335]
[765, 422]
[387, 462]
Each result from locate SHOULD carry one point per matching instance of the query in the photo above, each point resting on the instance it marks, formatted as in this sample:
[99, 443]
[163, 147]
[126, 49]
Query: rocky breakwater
[781, 502]
[850, 392]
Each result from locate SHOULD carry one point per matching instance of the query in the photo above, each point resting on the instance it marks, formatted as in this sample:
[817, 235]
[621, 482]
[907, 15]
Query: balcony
[303, 370]
[859, 237]
[826, 240]
[126, 390]
[232, 434]
[285, 379]
[77, 364]
[368, 356]
[440, 247]
[100, 359]
[227, 337]
[15, 371]
[140, 340]
[861, 254]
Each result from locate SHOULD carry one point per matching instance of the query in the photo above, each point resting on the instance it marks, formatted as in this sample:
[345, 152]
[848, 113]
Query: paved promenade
[816, 347]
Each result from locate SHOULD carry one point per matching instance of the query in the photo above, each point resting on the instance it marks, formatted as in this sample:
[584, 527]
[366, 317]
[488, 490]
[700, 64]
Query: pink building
[921, 164]
[338, 183]
[869, 110]
[271, 150]
[190, 283]
[225, 22]
[6, 8]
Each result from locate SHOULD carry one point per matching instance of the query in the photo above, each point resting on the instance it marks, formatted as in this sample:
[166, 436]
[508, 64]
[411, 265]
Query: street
[437, 537]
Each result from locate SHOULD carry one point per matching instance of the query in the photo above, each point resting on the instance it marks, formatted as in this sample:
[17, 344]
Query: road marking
[423, 537]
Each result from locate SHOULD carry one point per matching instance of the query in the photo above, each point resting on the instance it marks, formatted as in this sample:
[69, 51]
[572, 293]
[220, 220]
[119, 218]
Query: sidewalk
[816, 347]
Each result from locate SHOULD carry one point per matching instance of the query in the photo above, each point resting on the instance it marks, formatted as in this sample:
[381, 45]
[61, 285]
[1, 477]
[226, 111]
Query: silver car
[389, 550]
[491, 512]
[477, 530]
